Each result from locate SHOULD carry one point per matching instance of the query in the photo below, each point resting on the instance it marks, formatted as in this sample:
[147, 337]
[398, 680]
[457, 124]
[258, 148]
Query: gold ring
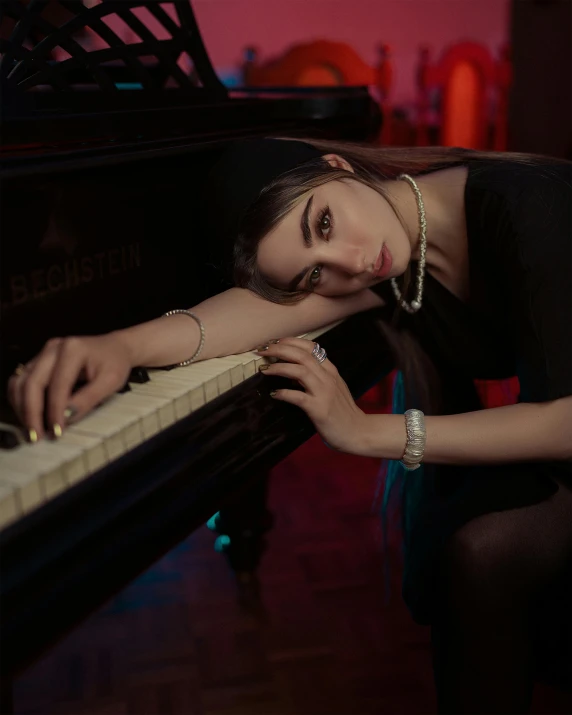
[20, 369]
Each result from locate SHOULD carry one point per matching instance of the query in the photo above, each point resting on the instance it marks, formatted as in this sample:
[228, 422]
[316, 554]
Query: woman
[312, 232]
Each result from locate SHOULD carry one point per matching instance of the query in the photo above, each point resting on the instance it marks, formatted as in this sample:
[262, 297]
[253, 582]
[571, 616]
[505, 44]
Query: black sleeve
[538, 265]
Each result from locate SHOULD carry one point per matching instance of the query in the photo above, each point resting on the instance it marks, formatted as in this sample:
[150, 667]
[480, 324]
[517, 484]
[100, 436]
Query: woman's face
[340, 238]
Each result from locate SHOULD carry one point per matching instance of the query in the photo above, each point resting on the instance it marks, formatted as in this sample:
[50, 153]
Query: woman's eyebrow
[307, 238]
[305, 223]
[293, 285]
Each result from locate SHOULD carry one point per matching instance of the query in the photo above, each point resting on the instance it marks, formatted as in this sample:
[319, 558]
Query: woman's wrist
[160, 342]
[127, 338]
[383, 437]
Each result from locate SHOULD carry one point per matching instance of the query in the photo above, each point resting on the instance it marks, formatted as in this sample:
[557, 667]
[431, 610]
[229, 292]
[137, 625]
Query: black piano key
[139, 376]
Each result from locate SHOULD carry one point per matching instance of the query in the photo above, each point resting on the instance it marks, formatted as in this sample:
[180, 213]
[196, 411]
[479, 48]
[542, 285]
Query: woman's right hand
[44, 387]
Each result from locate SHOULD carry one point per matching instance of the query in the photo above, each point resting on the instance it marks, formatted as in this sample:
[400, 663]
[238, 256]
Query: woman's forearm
[517, 433]
[235, 321]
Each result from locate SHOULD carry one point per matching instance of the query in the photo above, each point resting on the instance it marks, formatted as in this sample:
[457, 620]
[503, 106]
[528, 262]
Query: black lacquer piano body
[102, 160]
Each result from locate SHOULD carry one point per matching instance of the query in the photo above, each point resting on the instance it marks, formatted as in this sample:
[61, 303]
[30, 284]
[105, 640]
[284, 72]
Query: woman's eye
[325, 223]
[314, 276]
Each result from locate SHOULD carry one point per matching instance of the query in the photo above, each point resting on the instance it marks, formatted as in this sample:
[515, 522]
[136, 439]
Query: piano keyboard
[32, 474]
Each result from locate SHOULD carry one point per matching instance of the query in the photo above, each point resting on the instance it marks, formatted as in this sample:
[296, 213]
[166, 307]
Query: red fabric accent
[498, 393]
[492, 393]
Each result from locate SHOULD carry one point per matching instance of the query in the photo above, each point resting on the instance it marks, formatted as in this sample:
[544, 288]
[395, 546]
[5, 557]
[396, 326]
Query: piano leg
[242, 527]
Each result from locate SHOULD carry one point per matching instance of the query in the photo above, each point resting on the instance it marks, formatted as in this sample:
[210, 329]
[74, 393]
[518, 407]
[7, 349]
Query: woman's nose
[352, 260]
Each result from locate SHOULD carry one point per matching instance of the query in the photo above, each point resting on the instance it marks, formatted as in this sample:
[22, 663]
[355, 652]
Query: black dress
[517, 321]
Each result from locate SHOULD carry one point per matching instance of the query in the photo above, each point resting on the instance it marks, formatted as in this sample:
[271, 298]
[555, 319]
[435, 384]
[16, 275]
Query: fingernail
[263, 367]
[273, 393]
[274, 342]
[69, 413]
[32, 435]
[57, 430]
[262, 348]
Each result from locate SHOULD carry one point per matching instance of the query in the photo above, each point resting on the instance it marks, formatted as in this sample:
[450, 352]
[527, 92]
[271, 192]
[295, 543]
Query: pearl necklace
[415, 304]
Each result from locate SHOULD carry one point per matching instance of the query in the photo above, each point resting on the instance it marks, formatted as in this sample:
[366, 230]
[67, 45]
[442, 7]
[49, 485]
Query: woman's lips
[383, 263]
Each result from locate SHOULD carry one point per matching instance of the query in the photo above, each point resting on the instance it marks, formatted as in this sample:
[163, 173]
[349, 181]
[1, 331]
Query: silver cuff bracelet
[416, 437]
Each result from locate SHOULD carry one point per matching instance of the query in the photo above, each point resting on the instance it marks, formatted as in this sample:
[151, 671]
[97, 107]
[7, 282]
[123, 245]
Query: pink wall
[227, 26]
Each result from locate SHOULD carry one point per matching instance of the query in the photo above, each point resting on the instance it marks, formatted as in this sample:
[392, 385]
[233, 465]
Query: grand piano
[103, 152]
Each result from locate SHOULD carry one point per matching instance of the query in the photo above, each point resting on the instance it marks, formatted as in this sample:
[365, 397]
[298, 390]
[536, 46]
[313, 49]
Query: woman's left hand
[327, 400]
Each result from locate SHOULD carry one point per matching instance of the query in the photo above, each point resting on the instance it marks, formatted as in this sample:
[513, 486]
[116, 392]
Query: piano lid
[105, 80]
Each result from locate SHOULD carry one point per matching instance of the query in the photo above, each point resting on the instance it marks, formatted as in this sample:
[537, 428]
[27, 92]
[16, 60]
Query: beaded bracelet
[416, 437]
[201, 328]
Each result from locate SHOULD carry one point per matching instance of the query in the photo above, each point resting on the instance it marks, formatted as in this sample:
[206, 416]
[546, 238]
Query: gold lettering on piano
[86, 271]
[54, 279]
[36, 284]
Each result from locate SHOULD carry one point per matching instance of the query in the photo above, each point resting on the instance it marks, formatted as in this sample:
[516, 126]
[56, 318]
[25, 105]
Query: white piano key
[179, 393]
[23, 471]
[53, 482]
[55, 479]
[232, 372]
[77, 469]
[177, 405]
[205, 377]
[26, 484]
[48, 459]
[32, 474]
[9, 459]
[95, 454]
[197, 398]
[127, 421]
[250, 368]
[40, 471]
[217, 369]
[146, 408]
[103, 425]
[192, 385]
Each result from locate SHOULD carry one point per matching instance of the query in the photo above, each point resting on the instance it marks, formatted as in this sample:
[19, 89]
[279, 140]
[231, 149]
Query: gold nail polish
[69, 412]
[263, 367]
[274, 342]
[57, 430]
[32, 436]
[262, 348]
[273, 393]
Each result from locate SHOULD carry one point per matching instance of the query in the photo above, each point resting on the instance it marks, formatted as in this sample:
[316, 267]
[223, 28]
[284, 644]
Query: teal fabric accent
[395, 470]
[407, 487]
[409, 483]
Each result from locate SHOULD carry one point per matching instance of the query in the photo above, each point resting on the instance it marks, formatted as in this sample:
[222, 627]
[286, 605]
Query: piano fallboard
[138, 127]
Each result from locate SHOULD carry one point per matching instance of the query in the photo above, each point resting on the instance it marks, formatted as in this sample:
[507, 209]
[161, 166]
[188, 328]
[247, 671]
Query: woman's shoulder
[520, 200]
[514, 176]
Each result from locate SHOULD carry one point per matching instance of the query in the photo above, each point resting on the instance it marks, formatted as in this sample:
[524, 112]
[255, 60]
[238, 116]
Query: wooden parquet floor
[321, 637]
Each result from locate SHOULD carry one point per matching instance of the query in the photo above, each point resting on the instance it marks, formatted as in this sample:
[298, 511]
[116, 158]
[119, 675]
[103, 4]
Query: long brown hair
[372, 165]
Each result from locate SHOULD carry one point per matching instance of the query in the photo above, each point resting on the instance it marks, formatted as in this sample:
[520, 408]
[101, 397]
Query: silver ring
[319, 353]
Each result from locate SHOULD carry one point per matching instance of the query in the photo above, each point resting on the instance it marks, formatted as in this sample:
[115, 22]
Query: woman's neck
[443, 194]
